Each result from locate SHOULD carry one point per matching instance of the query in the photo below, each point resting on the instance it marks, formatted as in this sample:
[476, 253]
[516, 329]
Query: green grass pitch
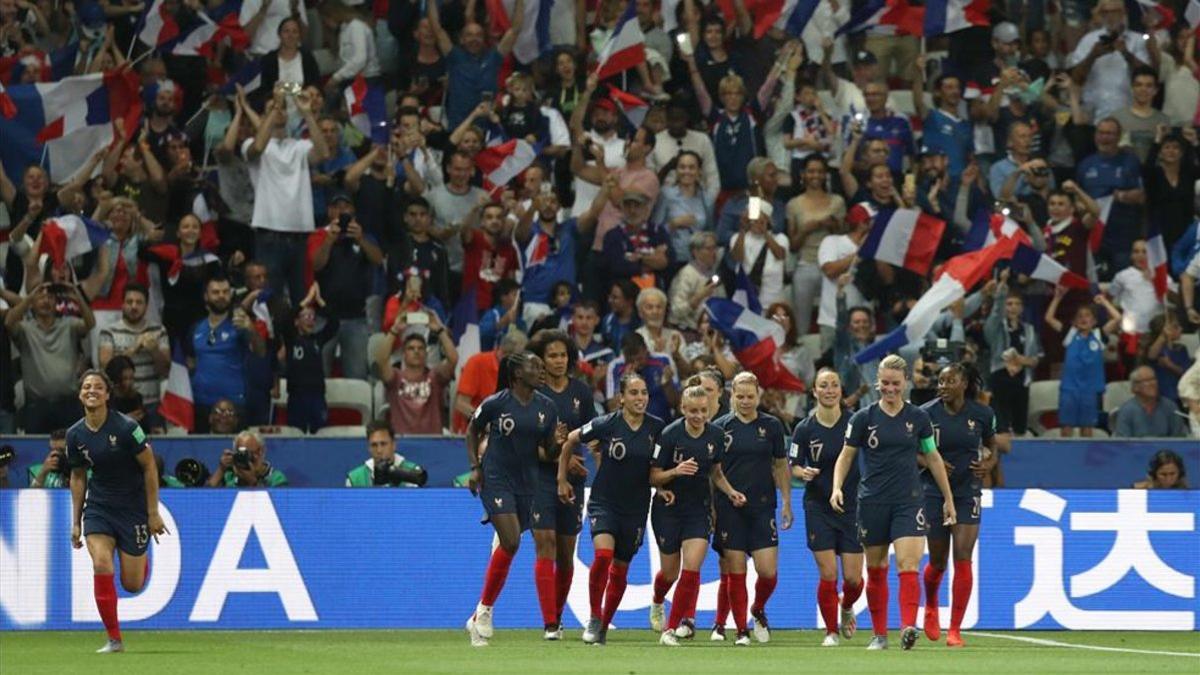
[628, 652]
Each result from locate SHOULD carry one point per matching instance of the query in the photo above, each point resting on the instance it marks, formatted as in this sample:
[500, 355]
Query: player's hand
[156, 526]
[807, 473]
[76, 536]
[949, 467]
[688, 467]
[667, 496]
[980, 468]
[785, 517]
[949, 515]
[737, 499]
[566, 493]
[575, 466]
[475, 481]
[835, 501]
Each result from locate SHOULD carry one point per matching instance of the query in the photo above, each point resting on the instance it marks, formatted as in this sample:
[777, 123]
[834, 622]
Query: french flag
[261, 311]
[1156, 258]
[464, 328]
[634, 108]
[368, 112]
[949, 16]
[170, 252]
[158, 25]
[177, 406]
[91, 101]
[744, 293]
[249, 76]
[988, 227]
[1036, 265]
[795, 16]
[534, 38]
[202, 37]
[756, 341]
[1156, 15]
[886, 17]
[7, 108]
[959, 275]
[765, 13]
[502, 163]
[905, 238]
[625, 49]
[66, 237]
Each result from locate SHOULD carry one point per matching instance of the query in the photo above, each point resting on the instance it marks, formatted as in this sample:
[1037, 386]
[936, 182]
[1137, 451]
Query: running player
[556, 525]
[965, 432]
[116, 510]
[620, 496]
[756, 465]
[815, 446]
[688, 454]
[891, 433]
[520, 424]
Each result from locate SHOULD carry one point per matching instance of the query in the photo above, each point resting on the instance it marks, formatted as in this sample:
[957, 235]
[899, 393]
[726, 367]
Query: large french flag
[534, 38]
[66, 237]
[158, 25]
[177, 406]
[368, 112]
[886, 17]
[634, 108]
[1036, 265]
[625, 49]
[502, 163]
[756, 341]
[795, 16]
[202, 37]
[949, 16]
[905, 238]
[464, 328]
[1156, 258]
[959, 274]
[988, 227]
[744, 293]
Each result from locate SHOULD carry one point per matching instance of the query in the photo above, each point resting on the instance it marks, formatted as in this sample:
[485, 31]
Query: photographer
[246, 465]
[52, 472]
[384, 468]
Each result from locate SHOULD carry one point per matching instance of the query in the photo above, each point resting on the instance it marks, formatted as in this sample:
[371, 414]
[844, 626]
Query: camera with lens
[191, 472]
[939, 353]
[61, 456]
[7, 454]
[242, 458]
[291, 88]
[396, 473]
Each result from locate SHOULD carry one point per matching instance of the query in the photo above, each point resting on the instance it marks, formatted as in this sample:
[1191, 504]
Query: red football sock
[763, 588]
[933, 582]
[662, 586]
[614, 592]
[722, 602]
[106, 602]
[562, 582]
[738, 600]
[543, 577]
[497, 573]
[877, 598]
[598, 580]
[963, 580]
[827, 600]
[910, 597]
[850, 594]
[685, 597]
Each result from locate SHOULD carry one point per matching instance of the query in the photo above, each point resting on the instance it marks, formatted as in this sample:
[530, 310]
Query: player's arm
[841, 469]
[937, 469]
[783, 483]
[983, 467]
[145, 459]
[473, 453]
[550, 450]
[566, 493]
[717, 477]
[78, 490]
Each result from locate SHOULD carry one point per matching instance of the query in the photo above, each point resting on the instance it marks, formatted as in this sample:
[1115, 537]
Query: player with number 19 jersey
[510, 465]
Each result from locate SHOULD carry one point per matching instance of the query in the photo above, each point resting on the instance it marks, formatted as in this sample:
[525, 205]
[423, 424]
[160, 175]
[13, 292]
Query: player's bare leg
[964, 537]
[908, 556]
[935, 569]
[508, 534]
[852, 588]
[101, 548]
[766, 566]
[668, 574]
[545, 543]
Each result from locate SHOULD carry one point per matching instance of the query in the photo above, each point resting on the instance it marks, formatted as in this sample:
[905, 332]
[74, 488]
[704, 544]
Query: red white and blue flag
[625, 49]
[534, 38]
[66, 237]
[502, 163]
[368, 112]
[464, 328]
[886, 17]
[949, 16]
[1037, 265]
[905, 238]
[177, 406]
[756, 341]
[795, 16]
[1156, 15]
[249, 76]
[210, 29]
[7, 108]
[158, 25]
[988, 227]
[1157, 260]
[634, 108]
[744, 293]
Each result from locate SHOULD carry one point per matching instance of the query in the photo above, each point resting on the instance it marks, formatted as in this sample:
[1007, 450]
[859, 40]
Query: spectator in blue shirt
[219, 346]
[472, 67]
[1147, 414]
[1114, 172]
[943, 128]
[1015, 163]
[662, 383]
[495, 322]
[621, 319]
[327, 175]
[887, 126]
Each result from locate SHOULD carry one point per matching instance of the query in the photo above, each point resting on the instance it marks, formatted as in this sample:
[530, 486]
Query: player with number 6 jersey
[965, 432]
[116, 509]
[890, 434]
[620, 499]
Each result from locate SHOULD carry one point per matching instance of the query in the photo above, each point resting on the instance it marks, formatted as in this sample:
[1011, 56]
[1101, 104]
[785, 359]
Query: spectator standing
[1114, 172]
[472, 67]
[356, 45]
[678, 138]
[497, 320]
[1140, 120]
[291, 61]
[1082, 378]
[50, 350]
[219, 346]
[1015, 352]
[812, 216]
[1169, 356]
[141, 341]
[53, 471]
[455, 203]
[695, 282]
[301, 364]
[186, 268]
[263, 22]
[416, 393]
[662, 382]
[1170, 173]
[1105, 58]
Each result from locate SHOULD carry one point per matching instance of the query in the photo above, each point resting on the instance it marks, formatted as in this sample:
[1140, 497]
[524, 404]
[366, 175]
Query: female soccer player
[965, 433]
[519, 422]
[815, 446]
[891, 510]
[117, 509]
[755, 463]
[555, 525]
[689, 453]
[620, 496]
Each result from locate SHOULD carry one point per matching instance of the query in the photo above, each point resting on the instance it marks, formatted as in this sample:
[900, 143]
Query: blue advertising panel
[272, 559]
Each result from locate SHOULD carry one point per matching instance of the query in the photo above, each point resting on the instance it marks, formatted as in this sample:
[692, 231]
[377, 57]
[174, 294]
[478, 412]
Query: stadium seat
[349, 401]
[378, 398]
[344, 431]
[1191, 341]
[1115, 394]
[1057, 433]
[1043, 398]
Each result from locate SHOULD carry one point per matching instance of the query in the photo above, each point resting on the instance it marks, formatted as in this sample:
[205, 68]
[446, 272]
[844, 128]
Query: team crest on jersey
[112, 440]
[712, 450]
[575, 402]
[971, 425]
[724, 536]
[541, 418]
[537, 516]
[762, 432]
[908, 426]
[593, 521]
[498, 502]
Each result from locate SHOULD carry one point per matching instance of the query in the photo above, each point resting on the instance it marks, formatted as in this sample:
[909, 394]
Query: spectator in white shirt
[261, 20]
[1104, 60]
[356, 43]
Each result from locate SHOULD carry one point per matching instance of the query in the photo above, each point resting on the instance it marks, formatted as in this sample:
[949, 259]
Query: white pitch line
[1097, 648]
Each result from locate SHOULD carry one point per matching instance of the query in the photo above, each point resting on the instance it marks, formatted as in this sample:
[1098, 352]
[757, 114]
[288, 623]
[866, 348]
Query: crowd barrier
[323, 462]
[314, 559]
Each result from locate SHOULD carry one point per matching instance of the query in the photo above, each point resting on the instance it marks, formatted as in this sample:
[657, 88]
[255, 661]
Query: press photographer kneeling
[384, 468]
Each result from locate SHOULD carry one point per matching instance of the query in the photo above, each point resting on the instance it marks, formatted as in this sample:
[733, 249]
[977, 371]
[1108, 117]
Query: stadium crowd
[260, 236]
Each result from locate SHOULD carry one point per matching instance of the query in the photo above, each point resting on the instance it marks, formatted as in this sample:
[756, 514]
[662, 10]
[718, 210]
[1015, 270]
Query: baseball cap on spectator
[1006, 32]
[91, 19]
[605, 104]
[931, 151]
[340, 196]
[635, 196]
[864, 57]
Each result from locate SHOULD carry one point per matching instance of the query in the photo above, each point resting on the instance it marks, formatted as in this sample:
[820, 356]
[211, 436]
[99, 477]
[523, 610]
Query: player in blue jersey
[620, 498]
[116, 509]
[687, 459]
[965, 432]
[555, 524]
[519, 423]
[756, 465]
[816, 444]
[891, 508]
